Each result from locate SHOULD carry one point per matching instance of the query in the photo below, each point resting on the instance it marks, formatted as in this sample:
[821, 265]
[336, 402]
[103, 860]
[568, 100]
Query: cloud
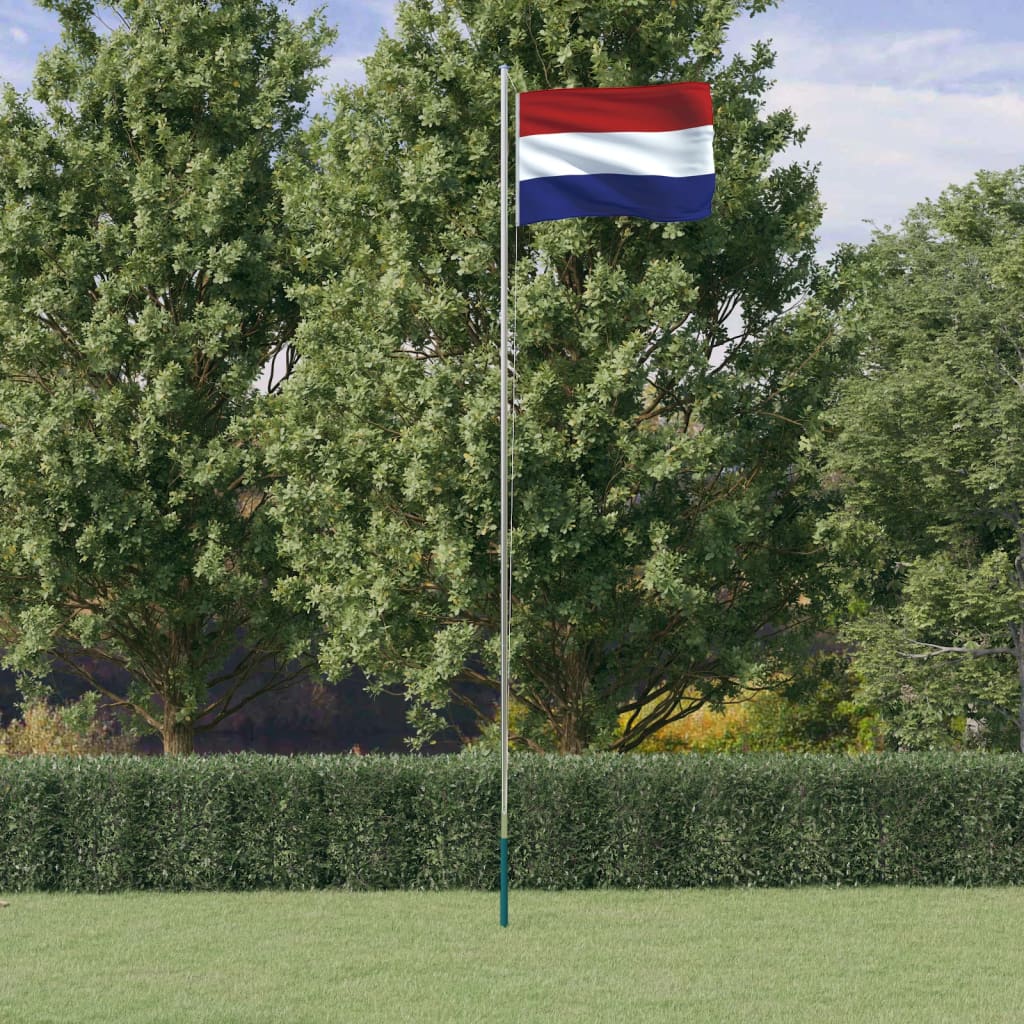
[883, 150]
[895, 117]
[344, 68]
[948, 60]
[16, 69]
[23, 35]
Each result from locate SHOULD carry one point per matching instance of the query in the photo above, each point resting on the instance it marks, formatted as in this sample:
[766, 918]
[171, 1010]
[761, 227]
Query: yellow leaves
[705, 730]
[44, 730]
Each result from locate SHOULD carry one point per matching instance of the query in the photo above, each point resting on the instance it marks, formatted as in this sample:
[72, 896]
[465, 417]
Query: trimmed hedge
[654, 821]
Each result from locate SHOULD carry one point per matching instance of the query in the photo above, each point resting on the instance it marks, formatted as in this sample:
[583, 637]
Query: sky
[903, 97]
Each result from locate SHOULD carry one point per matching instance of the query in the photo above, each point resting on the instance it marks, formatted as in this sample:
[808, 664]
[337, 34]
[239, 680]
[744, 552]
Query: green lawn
[814, 955]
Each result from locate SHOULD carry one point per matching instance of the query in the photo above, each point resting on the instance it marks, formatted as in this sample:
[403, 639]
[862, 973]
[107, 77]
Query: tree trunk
[570, 740]
[178, 737]
[569, 716]
[571, 723]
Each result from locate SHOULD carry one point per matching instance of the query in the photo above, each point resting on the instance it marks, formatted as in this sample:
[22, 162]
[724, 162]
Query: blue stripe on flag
[615, 195]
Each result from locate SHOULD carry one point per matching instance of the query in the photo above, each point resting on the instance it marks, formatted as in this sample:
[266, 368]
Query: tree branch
[937, 650]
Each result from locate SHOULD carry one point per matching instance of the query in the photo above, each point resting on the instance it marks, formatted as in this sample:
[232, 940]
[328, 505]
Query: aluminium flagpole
[505, 582]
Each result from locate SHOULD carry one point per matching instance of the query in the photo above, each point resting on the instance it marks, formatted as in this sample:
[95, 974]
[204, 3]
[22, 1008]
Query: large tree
[660, 545]
[144, 265]
[924, 456]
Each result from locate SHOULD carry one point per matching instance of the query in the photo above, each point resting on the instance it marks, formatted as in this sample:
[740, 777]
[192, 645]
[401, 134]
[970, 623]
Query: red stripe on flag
[642, 108]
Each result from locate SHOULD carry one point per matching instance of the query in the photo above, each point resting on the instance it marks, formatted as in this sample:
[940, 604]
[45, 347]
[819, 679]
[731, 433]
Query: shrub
[659, 821]
[73, 729]
[814, 710]
[707, 730]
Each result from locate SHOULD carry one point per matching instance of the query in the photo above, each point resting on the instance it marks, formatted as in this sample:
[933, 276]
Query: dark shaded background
[309, 718]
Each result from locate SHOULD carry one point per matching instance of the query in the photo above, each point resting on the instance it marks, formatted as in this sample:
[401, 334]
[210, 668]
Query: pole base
[503, 912]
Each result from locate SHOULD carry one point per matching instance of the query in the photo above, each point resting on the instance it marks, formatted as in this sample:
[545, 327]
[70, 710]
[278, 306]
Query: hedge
[645, 821]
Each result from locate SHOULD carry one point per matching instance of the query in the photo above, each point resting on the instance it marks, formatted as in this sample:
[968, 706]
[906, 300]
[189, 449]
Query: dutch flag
[645, 151]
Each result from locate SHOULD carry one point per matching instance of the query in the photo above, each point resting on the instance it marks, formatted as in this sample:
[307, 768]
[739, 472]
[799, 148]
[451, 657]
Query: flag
[644, 151]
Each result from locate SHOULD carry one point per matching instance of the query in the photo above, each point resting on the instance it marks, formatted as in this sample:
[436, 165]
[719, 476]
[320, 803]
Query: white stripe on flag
[669, 154]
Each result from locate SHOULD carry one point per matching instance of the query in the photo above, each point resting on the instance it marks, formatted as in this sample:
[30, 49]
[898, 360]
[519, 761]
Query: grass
[814, 955]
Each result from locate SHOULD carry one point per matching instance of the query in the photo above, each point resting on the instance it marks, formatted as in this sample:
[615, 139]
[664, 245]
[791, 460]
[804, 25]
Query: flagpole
[505, 582]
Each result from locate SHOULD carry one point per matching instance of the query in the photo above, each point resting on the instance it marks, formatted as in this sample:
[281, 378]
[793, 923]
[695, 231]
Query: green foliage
[660, 526]
[144, 262]
[923, 455]
[658, 821]
[816, 710]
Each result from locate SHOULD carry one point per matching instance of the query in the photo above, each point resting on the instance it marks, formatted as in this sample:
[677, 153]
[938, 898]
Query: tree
[660, 541]
[924, 457]
[144, 265]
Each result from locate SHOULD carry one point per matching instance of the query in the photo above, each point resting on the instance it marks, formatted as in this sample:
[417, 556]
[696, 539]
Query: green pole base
[504, 882]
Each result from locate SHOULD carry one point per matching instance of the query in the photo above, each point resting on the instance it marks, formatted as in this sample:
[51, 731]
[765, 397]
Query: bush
[815, 710]
[648, 821]
[707, 730]
[74, 729]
